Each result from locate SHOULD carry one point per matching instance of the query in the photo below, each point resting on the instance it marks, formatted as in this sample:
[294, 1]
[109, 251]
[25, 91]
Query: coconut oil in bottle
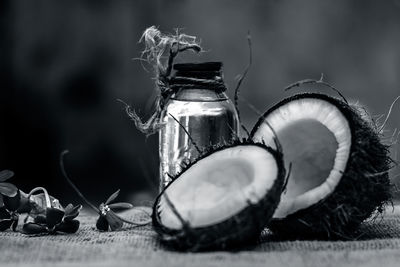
[203, 109]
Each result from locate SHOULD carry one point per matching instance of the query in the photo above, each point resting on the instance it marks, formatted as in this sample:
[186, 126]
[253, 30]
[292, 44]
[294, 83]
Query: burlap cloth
[379, 246]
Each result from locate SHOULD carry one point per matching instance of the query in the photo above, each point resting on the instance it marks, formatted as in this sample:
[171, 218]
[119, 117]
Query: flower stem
[72, 184]
[46, 195]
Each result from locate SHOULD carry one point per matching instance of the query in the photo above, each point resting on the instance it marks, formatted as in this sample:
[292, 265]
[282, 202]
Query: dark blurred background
[64, 64]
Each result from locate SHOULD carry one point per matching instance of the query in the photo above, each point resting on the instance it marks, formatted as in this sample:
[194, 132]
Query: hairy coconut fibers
[339, 165]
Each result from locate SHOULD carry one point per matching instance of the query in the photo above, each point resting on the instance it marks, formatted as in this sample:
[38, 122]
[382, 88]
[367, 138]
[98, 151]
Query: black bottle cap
[204, 66]
[205, 70]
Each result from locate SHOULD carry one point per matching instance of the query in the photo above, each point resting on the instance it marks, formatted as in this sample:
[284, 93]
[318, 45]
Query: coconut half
[224, 199]
[339, 173]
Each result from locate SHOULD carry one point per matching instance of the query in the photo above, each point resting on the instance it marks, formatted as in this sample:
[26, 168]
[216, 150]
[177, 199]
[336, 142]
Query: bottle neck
[198, 82]
[199, 95]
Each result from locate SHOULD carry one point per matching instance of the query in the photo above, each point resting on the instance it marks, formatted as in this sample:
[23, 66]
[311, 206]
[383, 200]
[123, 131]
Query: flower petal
[12, 203]
[114, 221]
[5, 224]
[33, 228]
[5, 175]
[14, 225]
[102, 223]
[8, 189]
[68, 208]
[121, 205]
[69, 227]
[25, 205]
[41, 219]
[53, 216]
[4, 213]
[71, 212]
[112, 197]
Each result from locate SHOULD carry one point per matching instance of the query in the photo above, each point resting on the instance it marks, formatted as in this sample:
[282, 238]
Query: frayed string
[157, 44]
[149, 127]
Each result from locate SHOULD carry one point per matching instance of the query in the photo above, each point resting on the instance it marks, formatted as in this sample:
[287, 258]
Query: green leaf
[5, 175]
[112, 197]
[114, 221]
[40, 219]
[24, 204]
[54, 216]
[14, 225]
[71, 212]
[68, 227]
[4, 214]
[12, 203]
[33, 228]
[102, 223]
[8, 189]
[68, 208]
[5, 224]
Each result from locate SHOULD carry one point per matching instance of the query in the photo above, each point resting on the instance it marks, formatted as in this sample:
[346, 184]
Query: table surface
[379, 246]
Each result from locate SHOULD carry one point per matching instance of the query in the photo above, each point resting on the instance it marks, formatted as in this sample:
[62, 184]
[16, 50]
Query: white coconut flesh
[219, 186]
[316, 140]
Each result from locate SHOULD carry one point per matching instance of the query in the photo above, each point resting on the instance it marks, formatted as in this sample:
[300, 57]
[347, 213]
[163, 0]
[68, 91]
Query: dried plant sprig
[9, 202]
[240, 80]
[45, 213]
[108, 219]
[51, 218]
[7, 189]
[8, 219]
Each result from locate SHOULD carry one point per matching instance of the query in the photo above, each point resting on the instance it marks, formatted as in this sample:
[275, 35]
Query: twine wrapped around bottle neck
[207, 75]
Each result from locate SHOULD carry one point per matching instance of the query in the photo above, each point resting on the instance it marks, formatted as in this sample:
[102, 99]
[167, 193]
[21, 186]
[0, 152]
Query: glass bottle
[202, 107]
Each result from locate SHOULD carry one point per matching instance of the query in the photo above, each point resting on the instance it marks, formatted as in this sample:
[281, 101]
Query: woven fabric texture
[378, 246]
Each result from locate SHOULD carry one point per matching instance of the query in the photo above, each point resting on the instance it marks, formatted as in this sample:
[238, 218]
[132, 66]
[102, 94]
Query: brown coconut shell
[243, 228]
[364, 188]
